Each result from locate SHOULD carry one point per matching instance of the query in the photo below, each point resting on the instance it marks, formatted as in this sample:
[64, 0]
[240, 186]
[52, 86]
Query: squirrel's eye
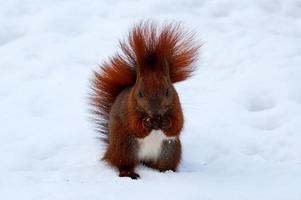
[167, 92]
[140, 94]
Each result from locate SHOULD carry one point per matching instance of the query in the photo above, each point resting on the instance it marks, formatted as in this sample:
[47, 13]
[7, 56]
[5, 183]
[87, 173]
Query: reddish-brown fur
[133, 94]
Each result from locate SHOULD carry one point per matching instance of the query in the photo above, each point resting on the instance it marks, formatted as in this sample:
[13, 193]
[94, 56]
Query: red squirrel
[135, 104]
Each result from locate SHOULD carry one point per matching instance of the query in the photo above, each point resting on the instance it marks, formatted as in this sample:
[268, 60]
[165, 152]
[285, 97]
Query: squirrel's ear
[166, 68]
[138, 72]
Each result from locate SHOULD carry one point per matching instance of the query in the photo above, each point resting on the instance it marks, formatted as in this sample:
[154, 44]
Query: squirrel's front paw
[166, 123]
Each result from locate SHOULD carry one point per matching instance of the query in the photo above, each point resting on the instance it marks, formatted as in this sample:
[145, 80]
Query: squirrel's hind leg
[122, 151]
[125, 162]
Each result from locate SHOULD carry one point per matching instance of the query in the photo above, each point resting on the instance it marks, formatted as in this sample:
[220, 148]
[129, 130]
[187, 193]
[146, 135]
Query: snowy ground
[242, 137]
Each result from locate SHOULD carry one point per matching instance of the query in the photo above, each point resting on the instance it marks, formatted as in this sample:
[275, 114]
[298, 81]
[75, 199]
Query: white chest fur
[150, 147]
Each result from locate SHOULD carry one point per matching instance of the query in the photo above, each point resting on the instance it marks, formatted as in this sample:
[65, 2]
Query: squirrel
[135, 105]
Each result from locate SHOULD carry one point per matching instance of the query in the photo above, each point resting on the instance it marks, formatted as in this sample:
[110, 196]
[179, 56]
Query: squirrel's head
[153, 92]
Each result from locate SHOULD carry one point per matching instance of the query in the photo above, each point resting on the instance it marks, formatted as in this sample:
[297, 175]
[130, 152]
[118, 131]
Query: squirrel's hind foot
[130, 174]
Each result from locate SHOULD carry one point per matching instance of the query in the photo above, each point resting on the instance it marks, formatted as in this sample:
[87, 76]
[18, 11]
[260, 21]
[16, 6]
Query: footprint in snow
[260, 103]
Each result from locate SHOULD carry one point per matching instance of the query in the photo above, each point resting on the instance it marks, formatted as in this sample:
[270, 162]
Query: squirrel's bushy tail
[107, 83]
[147, 43]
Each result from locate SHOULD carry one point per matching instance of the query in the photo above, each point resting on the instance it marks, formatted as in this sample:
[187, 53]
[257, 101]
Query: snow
[242, 136]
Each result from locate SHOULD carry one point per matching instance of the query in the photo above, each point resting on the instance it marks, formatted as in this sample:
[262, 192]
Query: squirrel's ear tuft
[151, 47]
[166, 68]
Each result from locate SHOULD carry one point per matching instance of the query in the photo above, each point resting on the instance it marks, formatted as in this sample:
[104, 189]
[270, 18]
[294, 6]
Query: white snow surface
[242, 135]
